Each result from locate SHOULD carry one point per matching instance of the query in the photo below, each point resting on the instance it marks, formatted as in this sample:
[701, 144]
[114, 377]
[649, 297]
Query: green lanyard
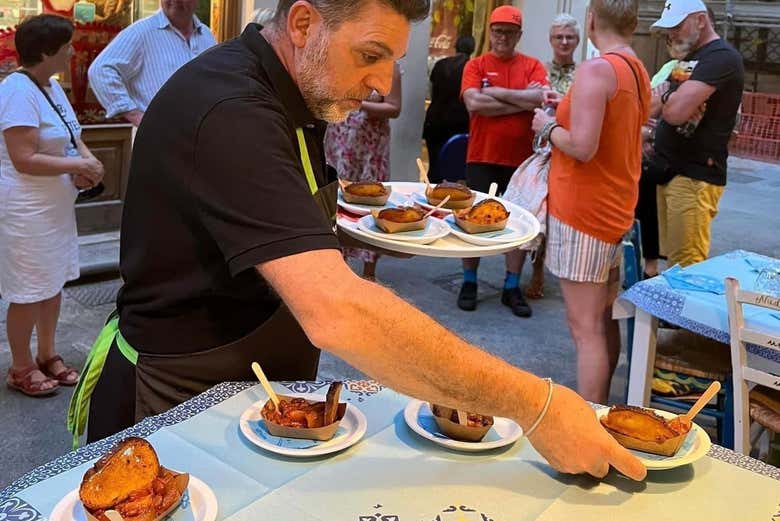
[307, 169]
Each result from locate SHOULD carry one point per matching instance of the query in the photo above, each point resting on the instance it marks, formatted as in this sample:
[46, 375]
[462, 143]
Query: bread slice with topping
[129, 467]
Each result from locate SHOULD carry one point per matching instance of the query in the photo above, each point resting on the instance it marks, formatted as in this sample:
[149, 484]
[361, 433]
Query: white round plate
[434, 230]
[513, 232]
[352, 428]
[696, 445]
[419, 418]
[365, 209]
[198, 504]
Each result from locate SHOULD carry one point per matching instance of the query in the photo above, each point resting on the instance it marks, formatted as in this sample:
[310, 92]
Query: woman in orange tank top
[594, 175]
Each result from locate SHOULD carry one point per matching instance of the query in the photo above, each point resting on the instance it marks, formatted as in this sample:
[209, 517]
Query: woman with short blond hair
[594, 175]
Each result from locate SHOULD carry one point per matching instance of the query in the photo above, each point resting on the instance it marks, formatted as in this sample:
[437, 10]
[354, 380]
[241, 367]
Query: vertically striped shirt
[133, 67]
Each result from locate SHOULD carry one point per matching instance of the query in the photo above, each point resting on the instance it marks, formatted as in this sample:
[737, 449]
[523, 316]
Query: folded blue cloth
[759, 263]
[678, 278]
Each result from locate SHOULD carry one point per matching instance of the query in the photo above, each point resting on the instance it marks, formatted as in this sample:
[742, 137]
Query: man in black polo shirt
[698, 111]
[227, 227]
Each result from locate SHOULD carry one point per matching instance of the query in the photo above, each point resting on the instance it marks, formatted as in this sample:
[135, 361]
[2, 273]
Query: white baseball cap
[675, 11]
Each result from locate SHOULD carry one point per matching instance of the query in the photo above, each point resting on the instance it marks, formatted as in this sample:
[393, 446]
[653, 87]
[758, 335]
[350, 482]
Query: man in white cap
[698, 112]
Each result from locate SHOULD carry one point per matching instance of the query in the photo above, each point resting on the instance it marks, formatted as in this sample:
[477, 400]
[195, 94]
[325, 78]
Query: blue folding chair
[452, 158]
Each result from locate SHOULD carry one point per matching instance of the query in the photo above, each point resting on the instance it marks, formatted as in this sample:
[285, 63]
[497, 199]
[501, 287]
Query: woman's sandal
[22, 382]
[68, 376]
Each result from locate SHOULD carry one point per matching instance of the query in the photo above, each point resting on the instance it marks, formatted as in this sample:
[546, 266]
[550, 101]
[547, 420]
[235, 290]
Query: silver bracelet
[546, 407]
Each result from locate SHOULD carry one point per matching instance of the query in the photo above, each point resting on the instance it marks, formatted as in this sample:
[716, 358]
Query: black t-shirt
[447, 114]
[216, 186]
[704, 155]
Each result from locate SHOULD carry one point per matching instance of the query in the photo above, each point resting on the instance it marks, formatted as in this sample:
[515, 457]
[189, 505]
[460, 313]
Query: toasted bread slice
[332, 403]
[130, 466]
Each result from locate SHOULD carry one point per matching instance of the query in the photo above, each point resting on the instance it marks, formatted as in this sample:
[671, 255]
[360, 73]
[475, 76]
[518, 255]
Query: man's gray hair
[263, 15]
[565, 20]
[336, 12]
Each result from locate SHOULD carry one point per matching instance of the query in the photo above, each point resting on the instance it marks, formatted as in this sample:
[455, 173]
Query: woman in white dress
[43, 164]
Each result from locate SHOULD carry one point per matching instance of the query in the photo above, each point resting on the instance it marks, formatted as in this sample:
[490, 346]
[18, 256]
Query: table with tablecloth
[702, 310]
[394, 475]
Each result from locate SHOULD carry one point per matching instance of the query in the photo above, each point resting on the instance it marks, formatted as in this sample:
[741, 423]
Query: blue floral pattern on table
[14, 509]
[301, 387]
[363, 388]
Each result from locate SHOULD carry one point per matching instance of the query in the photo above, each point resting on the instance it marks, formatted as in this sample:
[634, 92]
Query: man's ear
[302, 20]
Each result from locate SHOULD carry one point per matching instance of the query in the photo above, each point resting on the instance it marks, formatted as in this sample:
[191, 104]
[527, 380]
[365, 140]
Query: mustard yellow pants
[686, 208]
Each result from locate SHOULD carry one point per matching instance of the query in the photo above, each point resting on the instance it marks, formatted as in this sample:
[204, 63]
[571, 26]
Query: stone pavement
[34, 429]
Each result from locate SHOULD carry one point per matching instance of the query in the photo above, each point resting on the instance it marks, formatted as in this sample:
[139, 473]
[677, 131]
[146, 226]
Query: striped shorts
[577, 256]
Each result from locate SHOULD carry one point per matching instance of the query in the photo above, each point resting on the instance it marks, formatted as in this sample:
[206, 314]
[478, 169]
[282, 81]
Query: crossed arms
[499, 101]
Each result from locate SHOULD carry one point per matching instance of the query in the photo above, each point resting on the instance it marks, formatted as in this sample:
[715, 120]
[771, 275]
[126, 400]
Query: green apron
[171, 379]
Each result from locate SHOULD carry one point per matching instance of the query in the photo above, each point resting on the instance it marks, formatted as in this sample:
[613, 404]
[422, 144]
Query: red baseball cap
[507, 14]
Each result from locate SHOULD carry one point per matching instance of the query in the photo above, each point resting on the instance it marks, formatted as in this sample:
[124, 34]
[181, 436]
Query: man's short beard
[679, 50]
[313, 81]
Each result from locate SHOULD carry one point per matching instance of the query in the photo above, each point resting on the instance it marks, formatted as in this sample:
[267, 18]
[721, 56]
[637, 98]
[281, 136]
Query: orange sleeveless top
[599, 197]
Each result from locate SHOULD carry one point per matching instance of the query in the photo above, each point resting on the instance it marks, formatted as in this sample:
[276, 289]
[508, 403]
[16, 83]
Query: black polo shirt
[216, 186]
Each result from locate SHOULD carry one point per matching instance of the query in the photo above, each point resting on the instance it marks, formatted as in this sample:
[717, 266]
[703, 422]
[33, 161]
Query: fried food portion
[488, 211]
[642, 424]
[366, 189]
[473, 419]
[150, 503]
[300, 414]
[130, 466]
[131, 481]
[456, 191]
[403, 214]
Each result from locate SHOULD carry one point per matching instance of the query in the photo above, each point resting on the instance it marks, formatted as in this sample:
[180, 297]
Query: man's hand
[573, 441]
[134, 116]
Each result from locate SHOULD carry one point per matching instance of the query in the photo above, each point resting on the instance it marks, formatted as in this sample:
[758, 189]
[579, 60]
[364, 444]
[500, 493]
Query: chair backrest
[742, 374]
[452, 158]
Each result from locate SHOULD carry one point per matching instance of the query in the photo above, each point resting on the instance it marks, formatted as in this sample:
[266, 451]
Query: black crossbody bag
[89, 193]
[655, 167]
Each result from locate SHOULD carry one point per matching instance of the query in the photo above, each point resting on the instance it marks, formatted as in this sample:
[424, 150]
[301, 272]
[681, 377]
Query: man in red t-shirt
[500, 89]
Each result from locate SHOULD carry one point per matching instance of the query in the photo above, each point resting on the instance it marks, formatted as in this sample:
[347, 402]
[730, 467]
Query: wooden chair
[760, 410]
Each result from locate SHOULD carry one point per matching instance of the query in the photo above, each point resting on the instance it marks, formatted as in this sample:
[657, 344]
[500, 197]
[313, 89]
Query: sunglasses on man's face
[506, 33]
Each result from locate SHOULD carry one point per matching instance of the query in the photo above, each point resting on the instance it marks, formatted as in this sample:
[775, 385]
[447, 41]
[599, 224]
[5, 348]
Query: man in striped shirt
[132, 68]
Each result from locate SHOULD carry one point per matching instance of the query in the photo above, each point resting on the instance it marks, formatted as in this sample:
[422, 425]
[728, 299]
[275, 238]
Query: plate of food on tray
[404, 223]
[361, 197]
[486, 223]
